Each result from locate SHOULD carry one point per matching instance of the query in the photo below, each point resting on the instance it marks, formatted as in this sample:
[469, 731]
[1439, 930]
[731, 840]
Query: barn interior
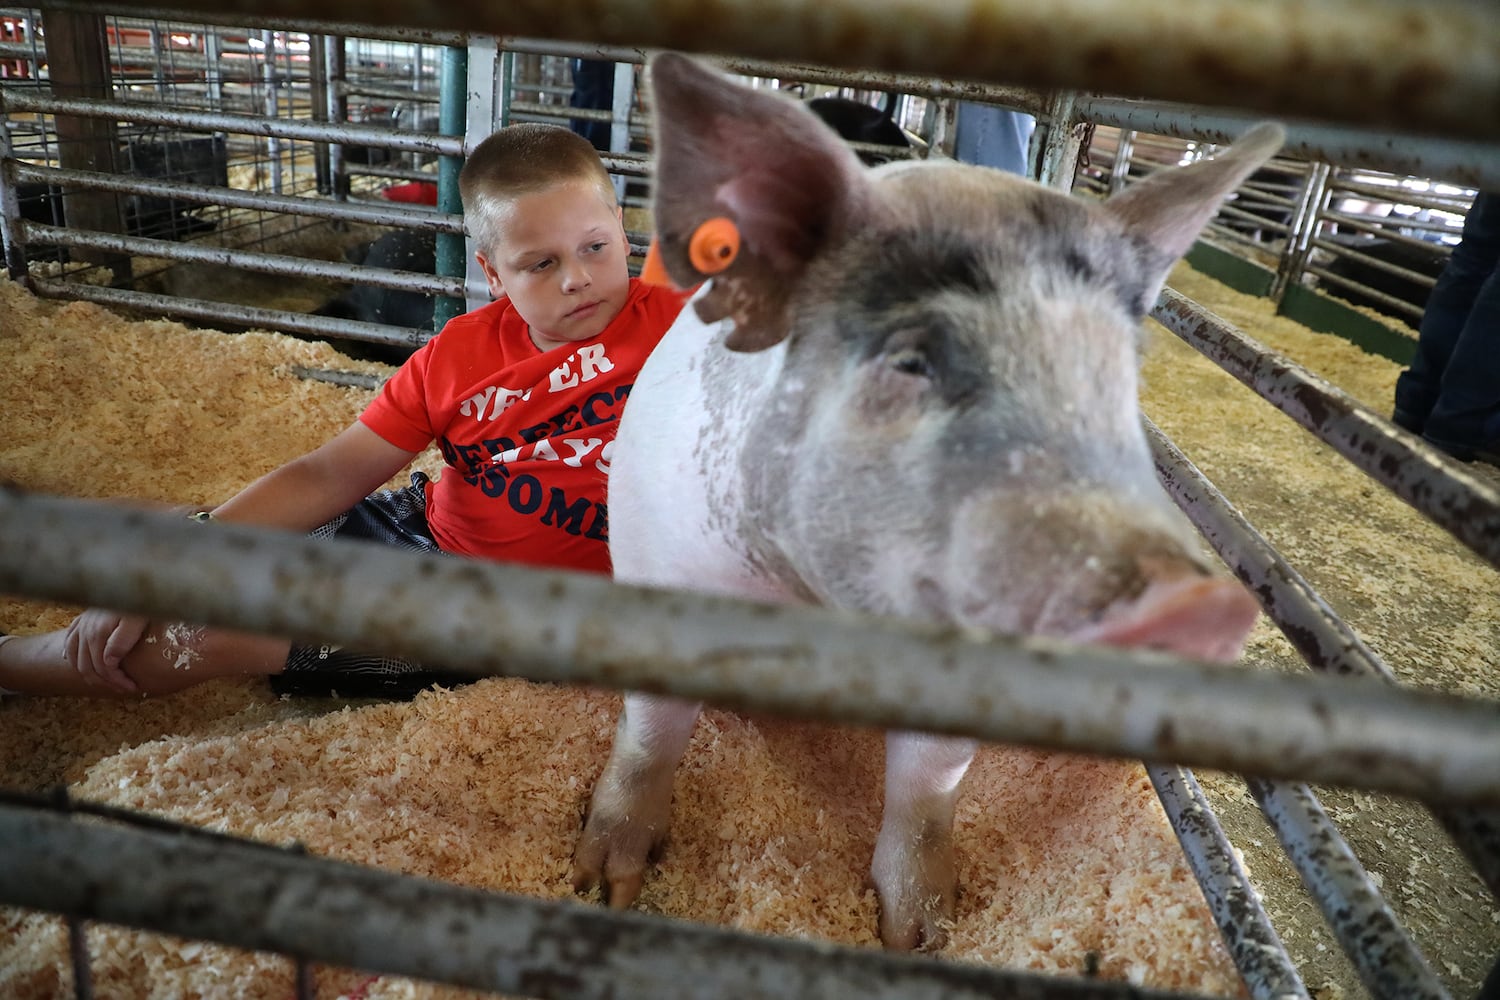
[222, 233]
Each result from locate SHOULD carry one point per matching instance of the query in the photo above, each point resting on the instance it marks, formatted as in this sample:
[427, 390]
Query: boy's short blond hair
[521, 159]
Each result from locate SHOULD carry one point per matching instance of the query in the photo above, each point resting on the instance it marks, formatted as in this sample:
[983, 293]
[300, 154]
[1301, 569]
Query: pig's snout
[1095, 567]
[1188, 613]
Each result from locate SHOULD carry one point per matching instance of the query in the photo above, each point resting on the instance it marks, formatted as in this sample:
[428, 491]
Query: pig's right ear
[788, 184]
[1168, 210]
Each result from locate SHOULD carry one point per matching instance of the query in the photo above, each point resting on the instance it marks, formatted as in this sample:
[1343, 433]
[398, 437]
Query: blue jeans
[1451, 392]
[593, 87]
[993, 137]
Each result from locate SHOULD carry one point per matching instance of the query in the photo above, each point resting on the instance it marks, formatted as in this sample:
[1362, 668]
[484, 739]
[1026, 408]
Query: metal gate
[1341, 731]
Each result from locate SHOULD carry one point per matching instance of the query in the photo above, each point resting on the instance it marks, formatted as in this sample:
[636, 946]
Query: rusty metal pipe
[263, 263]
[233, 314]
[218, 15]
[1455, 500]
[1396, 148]
[1388, 962]
[1324, 641]
[491, 618]
[1377, 62]
[28, 102]
[256, 897]
[377, 213]
[78, 955]
[1253, 944]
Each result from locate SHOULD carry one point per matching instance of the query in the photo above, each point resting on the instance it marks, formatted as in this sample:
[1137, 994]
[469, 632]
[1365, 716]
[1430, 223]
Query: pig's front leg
[632, 801]
[913, 867]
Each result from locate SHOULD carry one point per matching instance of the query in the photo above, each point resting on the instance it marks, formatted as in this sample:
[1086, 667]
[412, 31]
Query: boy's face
[561, 258]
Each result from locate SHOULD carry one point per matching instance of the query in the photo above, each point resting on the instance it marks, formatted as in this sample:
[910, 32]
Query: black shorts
[392, 517]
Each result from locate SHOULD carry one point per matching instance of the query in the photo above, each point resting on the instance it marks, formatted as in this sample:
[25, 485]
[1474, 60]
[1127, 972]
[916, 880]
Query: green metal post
[451, 112]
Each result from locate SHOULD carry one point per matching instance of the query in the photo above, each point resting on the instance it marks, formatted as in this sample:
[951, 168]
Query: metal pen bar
[389, 92]
[1020, 98]
[384, 172]
[1456, 501]
[1267, 195]
[1375, 263]
[78, 955]
[1334, 282]
[1386, 228]
[1363, 54]
[1387, 960]
[1391, 226]
[1220, 233]
[220, 15]
[486, 618]
[242, 894]
[1471, 162]
[31, 102]
[1253, 944]
[1323, 639]
[260, 262]
[1232, 212]
[357, 380]
[381, 213]
[1457, 204]
[233, 315]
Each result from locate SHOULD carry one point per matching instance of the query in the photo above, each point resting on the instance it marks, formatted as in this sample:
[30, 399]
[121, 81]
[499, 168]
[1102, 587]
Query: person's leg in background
[1451, 392]
[594, 88]
[993, 137]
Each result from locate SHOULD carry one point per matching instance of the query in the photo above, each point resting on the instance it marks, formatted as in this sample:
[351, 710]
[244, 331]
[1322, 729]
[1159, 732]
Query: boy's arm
[298, 496]
[322, 484]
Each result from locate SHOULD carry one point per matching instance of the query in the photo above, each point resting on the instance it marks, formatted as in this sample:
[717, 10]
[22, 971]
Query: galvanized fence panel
[1173, 714]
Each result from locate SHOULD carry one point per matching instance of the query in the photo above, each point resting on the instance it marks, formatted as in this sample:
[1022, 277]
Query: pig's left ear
[785, 183]
[1167, 210]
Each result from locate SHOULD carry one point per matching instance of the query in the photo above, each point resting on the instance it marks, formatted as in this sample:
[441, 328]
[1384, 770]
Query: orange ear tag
[714, 245]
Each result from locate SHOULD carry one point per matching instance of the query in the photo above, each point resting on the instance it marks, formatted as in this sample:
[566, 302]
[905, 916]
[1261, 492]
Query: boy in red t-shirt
[522, 396]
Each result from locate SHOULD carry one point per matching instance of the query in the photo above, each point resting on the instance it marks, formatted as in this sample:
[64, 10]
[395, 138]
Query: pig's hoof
[916, 925]
[917, 885]
[613, 853]
[617, 870]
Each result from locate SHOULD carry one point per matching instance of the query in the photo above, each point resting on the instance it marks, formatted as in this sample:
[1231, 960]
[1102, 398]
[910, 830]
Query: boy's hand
[97, 642]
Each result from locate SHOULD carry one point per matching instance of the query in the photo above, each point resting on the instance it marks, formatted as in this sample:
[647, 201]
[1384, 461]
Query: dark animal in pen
[189, 161]
[1420, 259]
[398, 250]
[856, 121]
[202, 161]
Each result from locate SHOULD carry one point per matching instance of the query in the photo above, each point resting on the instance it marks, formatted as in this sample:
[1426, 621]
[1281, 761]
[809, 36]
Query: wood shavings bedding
[1285, 480]
[1064, 861]
[1062, 858]
[1421, 601]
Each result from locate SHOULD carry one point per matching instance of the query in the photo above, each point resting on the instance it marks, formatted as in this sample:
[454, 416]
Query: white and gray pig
[912, 392]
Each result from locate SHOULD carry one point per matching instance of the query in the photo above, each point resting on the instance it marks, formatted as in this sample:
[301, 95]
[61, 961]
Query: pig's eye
[911, 361]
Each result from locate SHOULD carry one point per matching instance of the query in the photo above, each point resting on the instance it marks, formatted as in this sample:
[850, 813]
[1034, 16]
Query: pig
[202, 160]
[397, 250]
[196, 161]
[857, 121]
[912, 392]
[1424, 260]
